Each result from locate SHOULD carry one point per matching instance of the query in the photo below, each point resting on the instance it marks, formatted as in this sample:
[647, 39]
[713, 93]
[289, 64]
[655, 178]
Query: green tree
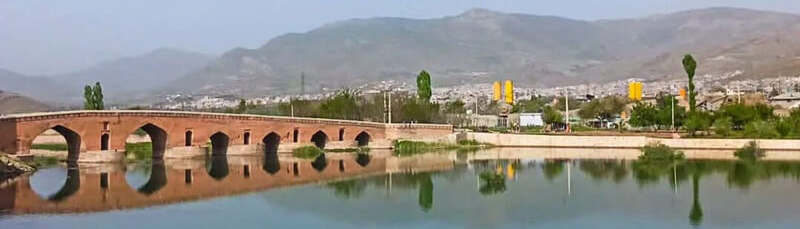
[88, 98]
[603, 109]
[697, 121]
[643, 114]
[761, 129]
[424, 86]
[343, 105]
[722, 126]
[551, 115]
[93, 97]
[242, 107]
[419, 111]
[98, 96]
[690, 65]
[455, 107]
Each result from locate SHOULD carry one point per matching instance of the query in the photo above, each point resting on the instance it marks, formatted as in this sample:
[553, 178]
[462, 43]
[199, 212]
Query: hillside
[39, 88]
[135, 76]
[483, 46]
[11, 103]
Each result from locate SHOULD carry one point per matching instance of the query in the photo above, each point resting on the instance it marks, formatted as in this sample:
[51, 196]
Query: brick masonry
[86, 132]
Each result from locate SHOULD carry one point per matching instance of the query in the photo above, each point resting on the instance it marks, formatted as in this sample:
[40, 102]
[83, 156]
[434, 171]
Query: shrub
[660, 152]
[697, 121]
[751, 151]
[784, 127]
[307, 152]
[723, 126]
[760, 129]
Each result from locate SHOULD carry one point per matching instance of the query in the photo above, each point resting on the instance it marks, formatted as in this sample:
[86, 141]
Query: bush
[723, 126]
[751, 151]
[660, 152]
[307, 152]
[761, 129]
[697, 121]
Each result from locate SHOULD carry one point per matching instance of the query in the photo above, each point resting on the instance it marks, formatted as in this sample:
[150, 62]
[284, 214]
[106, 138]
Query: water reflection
[462, 190]
[218, 167]
[320, 163]
[71, 186]
[157, 180]
[271, 163]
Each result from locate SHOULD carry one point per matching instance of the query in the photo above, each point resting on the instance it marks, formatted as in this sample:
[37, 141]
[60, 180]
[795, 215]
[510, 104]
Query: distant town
[783, 88]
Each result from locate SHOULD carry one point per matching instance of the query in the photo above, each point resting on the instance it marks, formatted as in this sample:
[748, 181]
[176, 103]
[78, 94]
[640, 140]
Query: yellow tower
[498, 91]
[635, 91]
[509, 92]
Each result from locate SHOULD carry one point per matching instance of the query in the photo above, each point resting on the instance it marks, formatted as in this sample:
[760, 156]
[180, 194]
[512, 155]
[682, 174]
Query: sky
[45, 37]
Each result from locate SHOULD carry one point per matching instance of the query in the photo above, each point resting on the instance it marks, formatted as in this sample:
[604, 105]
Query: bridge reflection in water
[103, 187]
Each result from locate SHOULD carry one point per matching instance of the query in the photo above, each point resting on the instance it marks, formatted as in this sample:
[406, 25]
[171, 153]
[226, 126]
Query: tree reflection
[552, 169]
[492, 183]
[605, 169]
[348, 189]
[425, 192]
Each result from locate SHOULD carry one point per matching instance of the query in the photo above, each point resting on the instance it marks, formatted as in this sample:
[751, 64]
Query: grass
[750, 152]
[140, 151]
[307, 152]
[50, 146]
[43, 162]
[405, 148]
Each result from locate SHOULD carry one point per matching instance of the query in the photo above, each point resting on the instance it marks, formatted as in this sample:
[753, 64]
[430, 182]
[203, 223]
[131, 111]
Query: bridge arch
[319, 139]
[219, 144]
[158, 138]
[271, 142]
[71, 137]
[363, 139]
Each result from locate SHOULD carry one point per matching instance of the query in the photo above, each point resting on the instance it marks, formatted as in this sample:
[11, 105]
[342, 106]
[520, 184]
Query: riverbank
[623, 142]
[11, 167]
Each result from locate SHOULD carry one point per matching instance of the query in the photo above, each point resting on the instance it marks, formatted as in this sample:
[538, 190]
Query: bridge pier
[101, 156]
[184, 152]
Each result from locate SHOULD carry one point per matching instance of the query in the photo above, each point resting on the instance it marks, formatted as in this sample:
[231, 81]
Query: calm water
[446, 190]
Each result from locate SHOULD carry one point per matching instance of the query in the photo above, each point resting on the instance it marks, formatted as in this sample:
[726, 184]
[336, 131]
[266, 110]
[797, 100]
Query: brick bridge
[105, 187]
[100, 136]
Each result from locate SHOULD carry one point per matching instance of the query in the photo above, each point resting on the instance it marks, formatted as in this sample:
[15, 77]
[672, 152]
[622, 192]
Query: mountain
[483, 46]
[11, 103]
[131, 76]
[40, 88]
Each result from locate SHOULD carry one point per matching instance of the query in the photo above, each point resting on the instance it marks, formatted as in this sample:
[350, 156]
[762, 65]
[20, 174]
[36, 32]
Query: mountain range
[477, 46]
[481, 46]
[123, 79]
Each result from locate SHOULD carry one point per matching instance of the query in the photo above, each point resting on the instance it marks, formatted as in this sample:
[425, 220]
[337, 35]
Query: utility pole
[390, 107]
[291, 104]
[673, 113]
[738, 93]
[566, 108]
